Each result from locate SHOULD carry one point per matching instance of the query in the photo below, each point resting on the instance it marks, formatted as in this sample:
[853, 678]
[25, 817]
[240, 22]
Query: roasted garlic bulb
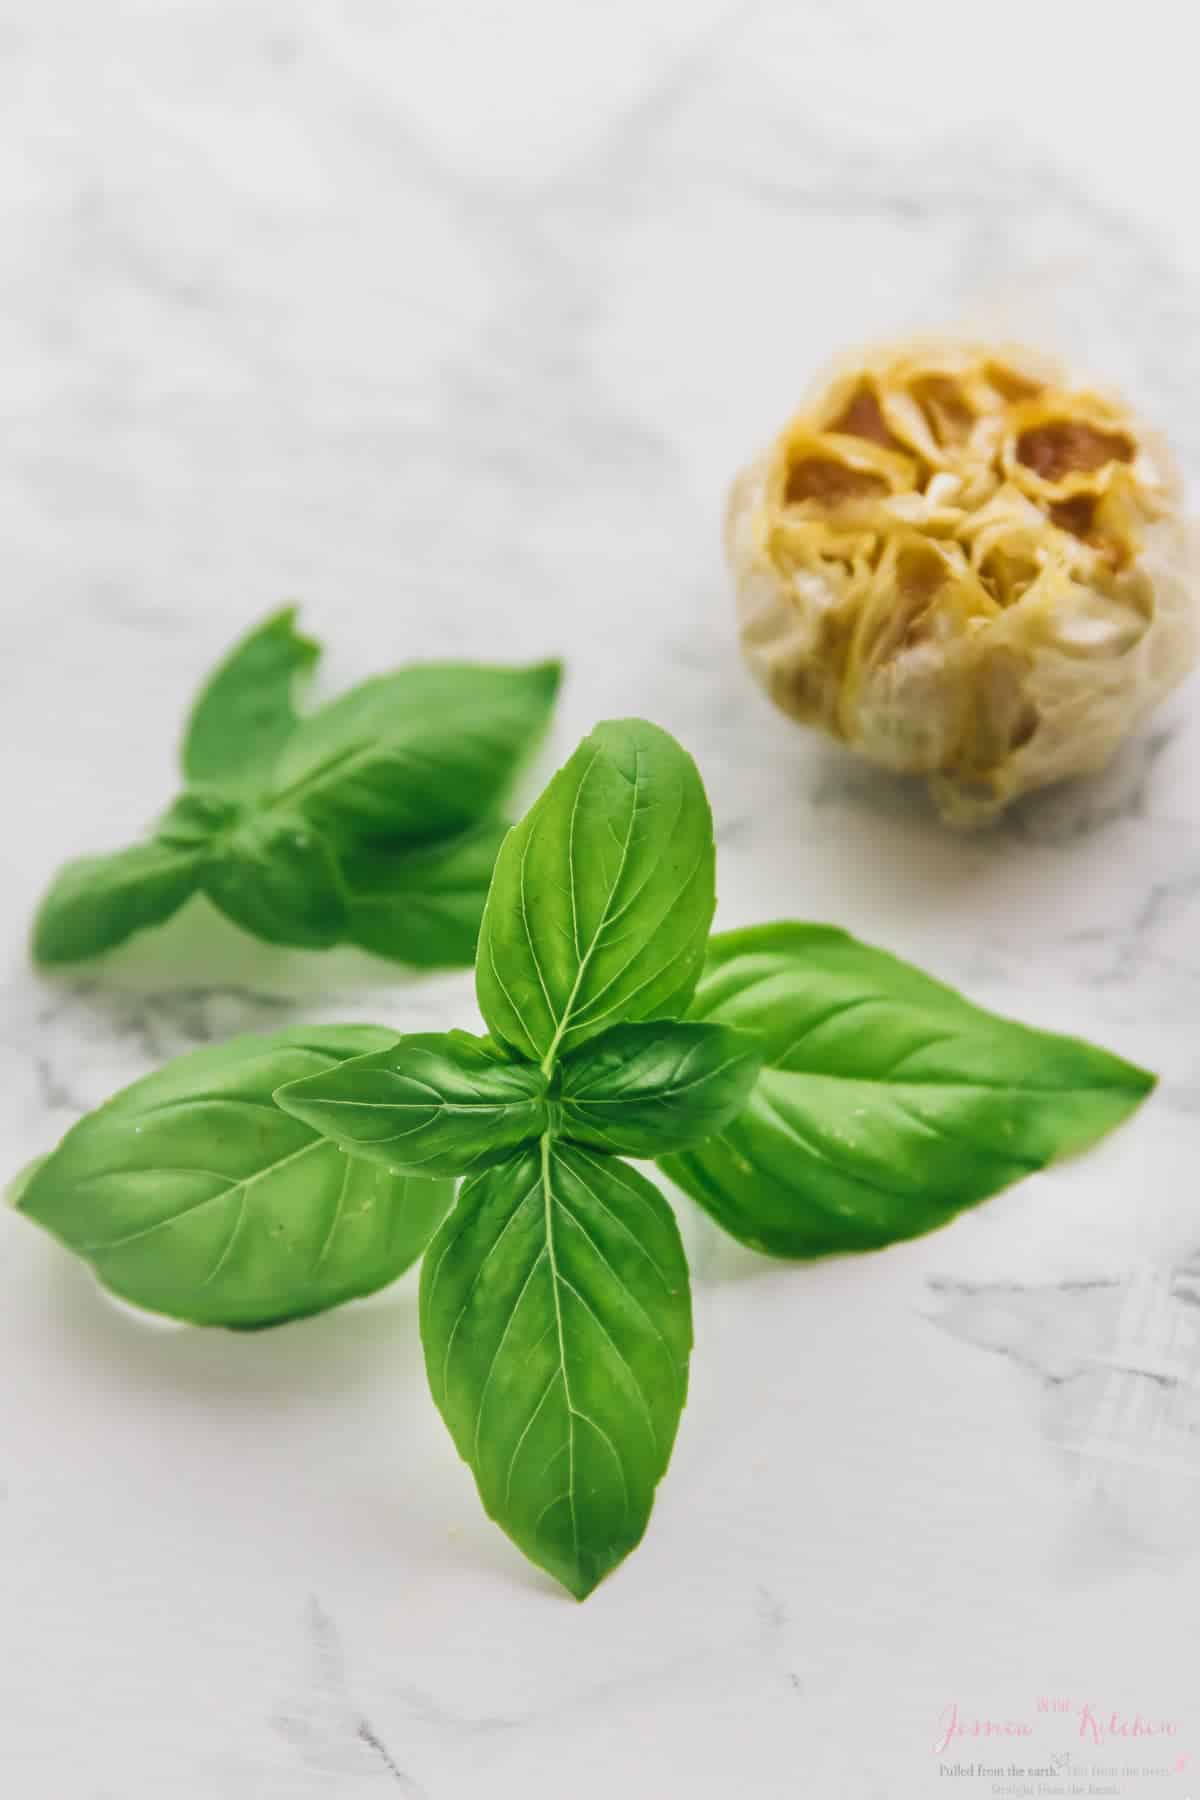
[963, 567]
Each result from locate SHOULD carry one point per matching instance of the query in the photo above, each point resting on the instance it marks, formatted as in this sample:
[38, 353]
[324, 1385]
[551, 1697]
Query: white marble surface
[452, 322]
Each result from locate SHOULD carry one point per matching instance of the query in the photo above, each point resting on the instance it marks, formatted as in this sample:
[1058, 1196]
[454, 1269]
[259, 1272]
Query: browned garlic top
[931, 547]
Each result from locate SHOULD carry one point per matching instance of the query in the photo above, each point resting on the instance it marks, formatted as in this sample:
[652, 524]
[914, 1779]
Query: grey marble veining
[1121, 1361]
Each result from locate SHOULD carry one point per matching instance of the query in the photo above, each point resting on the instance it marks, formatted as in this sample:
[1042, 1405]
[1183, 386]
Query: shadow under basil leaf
[324, 1357]
[167, 957]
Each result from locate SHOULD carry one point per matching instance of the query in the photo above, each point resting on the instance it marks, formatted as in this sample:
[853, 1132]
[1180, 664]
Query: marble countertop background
[452, 324]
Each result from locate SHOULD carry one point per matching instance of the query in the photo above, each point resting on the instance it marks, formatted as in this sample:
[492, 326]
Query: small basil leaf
[275, 876]
[556, 1320]
[196, 818]
[888, 1102]
[192, 1194]
[96, 902]
[602, 897]
[434, 1104]
[417, 754]
[245, 714]
[644, 1089]
[422, 906]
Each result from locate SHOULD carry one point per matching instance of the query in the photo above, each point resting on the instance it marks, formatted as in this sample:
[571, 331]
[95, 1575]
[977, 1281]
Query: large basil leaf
[192, 1194]
[888, 1102]
[246, 713]
[96, 902]
[422, 905]
[431, 1104]
[647, 1088]
[276, 876]
[602, 897]
[417, 754]
[556, 1320]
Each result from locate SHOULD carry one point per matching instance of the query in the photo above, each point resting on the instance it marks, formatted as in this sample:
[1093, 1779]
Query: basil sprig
[555, 1307]
[370, 821]
[818, 1096]
[887, 1103]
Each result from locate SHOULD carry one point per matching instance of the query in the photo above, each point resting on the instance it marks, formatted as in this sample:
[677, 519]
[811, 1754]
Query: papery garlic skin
[964, 568]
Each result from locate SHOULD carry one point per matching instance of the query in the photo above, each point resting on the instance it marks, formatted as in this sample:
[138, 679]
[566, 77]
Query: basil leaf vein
[431, 1103]
[420, 753]
[645, 1088]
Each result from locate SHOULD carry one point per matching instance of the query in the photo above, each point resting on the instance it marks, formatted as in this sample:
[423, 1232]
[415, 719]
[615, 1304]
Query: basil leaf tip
[246, 711]
[96, 902]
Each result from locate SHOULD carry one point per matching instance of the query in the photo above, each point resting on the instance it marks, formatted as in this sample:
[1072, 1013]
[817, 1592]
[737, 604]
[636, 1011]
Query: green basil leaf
[417, 754]
[660, 1085]
[888, 1102]
[192, 1194]
[96, 902]
[197, 818]
[245, 714]
[556, 1320]
[602, 897]
[435, 1103]
[276, 876]
[422, 905]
